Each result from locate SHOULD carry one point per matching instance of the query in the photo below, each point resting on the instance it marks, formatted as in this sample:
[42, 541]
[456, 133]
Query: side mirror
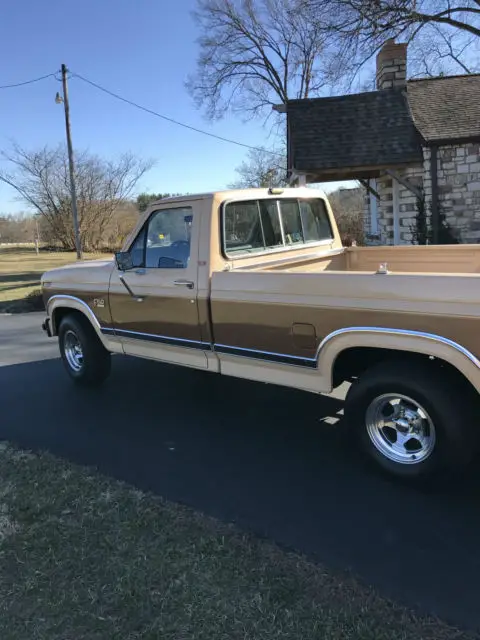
[124, 260]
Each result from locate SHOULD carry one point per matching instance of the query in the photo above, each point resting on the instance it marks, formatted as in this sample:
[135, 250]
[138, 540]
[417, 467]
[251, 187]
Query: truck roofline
[244, 194]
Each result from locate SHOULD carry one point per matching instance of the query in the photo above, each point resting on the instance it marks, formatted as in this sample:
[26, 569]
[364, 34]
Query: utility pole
[71, 164]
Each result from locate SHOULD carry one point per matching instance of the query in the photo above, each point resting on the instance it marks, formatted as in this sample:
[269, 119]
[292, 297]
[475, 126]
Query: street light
[59, 100]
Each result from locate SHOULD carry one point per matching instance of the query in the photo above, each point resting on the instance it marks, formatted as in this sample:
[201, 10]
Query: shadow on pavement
[266, 458]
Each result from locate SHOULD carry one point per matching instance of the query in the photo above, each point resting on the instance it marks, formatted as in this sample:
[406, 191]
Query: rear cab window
[256, 226]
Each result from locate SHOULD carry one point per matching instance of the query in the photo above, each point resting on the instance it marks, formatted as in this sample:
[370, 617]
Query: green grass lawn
[86, 557]
[20, 273]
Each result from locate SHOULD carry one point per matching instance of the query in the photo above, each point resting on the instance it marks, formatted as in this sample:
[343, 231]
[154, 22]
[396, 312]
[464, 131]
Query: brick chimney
[392, 65]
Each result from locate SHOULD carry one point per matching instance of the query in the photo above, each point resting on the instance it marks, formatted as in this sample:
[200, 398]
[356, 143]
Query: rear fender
[397, 340]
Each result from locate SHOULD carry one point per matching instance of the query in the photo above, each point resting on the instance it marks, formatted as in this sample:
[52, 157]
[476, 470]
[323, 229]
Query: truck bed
[286, 308]
[404, 259]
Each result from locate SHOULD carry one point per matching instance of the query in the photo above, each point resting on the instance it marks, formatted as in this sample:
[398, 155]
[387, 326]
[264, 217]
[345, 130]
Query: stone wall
[392, 65]
[406, 206]
[459, 188]
[385, 209]
[408, 203]
[458, 194]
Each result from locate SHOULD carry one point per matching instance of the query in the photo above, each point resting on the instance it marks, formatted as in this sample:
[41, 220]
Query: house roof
[446, 108]
[357, 135]
[345, 134]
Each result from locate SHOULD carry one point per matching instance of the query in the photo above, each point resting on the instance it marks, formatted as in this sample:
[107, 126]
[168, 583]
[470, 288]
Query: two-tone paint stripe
[71, 301]
[254, 354]
[150, 337]
[268, 356]
[282, 358]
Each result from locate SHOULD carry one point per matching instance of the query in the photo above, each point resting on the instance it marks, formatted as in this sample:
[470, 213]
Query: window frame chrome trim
[280, 222]
[293, 259]
[285, 247]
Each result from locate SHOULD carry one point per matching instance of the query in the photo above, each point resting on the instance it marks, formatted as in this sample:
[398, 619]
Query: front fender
[64, 301]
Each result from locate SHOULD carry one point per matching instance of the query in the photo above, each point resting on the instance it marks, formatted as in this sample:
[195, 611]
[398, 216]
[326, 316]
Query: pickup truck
[256, 284]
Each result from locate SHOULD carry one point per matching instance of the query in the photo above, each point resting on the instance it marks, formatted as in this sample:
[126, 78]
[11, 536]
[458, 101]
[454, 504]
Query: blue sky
[143, 50]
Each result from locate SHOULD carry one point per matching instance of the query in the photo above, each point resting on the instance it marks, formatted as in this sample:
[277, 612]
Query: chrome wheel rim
[400, 428]
[73, 350]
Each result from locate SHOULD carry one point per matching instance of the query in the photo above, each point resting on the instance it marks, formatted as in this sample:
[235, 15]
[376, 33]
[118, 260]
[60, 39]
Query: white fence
[17, 244]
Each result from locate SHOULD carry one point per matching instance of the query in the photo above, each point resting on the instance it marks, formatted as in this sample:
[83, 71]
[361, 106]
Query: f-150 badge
[98, 302]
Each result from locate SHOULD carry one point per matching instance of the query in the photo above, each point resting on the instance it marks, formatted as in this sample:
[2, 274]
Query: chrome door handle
[184, 283]
[127, 287]
[140, 272]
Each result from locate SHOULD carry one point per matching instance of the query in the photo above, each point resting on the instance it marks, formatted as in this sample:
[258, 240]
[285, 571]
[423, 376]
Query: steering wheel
[180, 243]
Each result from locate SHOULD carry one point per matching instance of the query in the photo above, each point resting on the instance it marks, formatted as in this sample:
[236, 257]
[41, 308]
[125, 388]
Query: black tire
[94, 367]
[445, 401]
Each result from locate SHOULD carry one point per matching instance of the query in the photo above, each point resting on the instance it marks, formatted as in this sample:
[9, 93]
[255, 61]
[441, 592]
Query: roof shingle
[360, 130]
[446, 108]
[381, 128]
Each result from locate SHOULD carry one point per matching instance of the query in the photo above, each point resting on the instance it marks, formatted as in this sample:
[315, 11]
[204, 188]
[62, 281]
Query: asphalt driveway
[270, 459]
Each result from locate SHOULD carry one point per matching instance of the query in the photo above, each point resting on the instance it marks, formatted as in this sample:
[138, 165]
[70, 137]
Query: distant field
[20, 272]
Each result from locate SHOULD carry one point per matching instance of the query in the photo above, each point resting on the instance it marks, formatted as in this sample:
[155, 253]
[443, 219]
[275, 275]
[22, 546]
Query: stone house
[411, 143]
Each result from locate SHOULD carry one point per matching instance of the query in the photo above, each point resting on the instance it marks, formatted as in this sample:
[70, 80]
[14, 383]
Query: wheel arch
[60, 305]
[384, 343]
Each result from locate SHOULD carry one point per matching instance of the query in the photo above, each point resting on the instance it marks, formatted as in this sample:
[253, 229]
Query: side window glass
[168, 236]
[316, 224]
[243, 227]
[271, 223]
[137, 250]
[292, 223]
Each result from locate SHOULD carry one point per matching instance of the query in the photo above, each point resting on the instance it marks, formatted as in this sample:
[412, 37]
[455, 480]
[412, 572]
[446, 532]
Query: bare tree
[144, 200]
[437, 50]
[261, 169]
[382, 19]
[443, 35]
[348, 207]
[258, 53]
[41, 179]
[17, 228]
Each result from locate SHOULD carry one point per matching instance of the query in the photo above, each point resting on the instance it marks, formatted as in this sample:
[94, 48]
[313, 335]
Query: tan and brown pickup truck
[256, 284]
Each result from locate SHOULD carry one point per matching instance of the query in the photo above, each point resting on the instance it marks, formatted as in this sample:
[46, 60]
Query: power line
[180, 124]
[21, 84]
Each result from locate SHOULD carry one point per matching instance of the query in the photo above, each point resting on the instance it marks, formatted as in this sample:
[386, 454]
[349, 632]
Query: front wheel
[85, 358]
[412, 421]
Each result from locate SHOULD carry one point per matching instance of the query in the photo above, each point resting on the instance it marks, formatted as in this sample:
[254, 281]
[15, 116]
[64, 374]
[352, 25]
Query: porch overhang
[351, 137]
[337, 174]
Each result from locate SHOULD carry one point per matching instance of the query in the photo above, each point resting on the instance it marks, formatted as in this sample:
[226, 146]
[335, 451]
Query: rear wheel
[411, 421]
[85, 358]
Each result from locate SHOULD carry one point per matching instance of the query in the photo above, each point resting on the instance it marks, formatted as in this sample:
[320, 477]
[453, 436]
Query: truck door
[154, 305]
